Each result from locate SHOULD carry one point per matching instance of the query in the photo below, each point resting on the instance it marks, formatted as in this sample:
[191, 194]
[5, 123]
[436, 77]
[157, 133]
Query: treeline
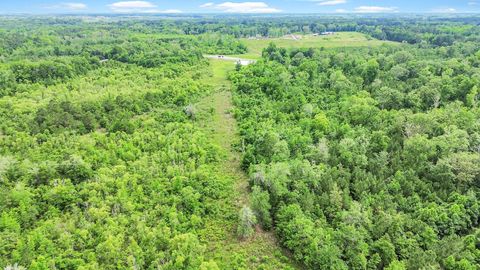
[49, 71]
[365, 158]
[412, 29]
[52, 39]
[57, 53]
[46, 72]
[217, 33]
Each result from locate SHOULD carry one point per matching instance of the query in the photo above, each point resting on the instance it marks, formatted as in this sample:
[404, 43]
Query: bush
[261, 206]
[190, 111]
[246, 223]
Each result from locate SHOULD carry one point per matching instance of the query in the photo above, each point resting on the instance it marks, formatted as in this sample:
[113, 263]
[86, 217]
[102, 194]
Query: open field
[338, 40]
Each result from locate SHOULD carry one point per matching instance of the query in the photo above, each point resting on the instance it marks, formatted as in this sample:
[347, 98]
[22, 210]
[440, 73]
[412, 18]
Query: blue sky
[231, 6]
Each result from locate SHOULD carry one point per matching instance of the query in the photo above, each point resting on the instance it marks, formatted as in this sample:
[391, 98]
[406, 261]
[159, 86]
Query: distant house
[327, 33]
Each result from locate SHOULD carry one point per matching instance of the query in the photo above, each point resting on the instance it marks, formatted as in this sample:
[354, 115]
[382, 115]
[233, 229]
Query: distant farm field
[337, 40]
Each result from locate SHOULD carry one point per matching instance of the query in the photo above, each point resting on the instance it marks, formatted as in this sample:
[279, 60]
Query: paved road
[228, 58]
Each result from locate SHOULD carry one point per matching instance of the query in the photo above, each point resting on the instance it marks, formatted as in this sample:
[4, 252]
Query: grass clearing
[219, 69]
[337, 40]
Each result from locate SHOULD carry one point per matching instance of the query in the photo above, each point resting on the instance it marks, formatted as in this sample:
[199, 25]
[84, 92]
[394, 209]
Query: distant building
[327, 33]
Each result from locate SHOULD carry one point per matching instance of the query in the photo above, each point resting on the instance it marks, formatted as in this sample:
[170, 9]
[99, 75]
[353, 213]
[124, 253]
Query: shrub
[246, 222]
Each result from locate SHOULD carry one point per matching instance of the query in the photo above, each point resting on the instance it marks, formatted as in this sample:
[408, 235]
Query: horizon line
[179, 14]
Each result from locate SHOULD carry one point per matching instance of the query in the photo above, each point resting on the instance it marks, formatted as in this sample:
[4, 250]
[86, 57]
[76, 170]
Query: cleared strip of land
[262, 250]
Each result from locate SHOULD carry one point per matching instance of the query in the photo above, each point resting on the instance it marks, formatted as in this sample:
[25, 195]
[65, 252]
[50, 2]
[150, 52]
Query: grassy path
[262, 250]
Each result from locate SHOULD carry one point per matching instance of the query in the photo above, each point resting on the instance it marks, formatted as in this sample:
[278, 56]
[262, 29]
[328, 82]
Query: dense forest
[366, 158]
[361, 157]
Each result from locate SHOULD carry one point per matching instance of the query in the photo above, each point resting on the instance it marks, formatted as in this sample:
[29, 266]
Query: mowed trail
[262, 250]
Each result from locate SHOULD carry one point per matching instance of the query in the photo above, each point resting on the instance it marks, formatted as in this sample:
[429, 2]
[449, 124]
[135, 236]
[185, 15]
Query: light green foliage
[210, 265]
[185, 252]
[321, 122]
[396, 265]
[473, 97]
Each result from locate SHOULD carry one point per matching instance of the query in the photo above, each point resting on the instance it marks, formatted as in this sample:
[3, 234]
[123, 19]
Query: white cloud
[74, 6]
[242, 7]
[341, 10]
[68, 6]
[375, 9]
[131, 4]
[472, 3]
[138, 7]
[331, 2]
[206, 5]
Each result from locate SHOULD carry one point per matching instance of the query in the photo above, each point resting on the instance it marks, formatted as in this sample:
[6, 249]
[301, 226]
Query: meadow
[337, 40]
